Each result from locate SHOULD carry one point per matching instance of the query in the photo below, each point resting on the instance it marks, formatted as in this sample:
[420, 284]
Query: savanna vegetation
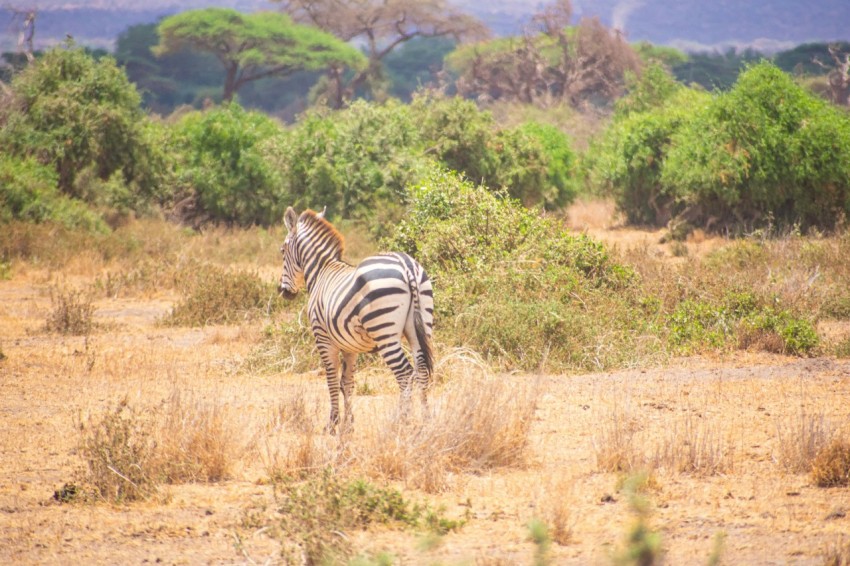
[104, 203]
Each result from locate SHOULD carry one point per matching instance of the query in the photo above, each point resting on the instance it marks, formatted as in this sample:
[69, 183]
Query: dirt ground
[732, 410]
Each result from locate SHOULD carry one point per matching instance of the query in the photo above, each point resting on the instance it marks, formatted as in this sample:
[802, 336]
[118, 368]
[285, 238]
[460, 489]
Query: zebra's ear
[290, 218]
[322, 214]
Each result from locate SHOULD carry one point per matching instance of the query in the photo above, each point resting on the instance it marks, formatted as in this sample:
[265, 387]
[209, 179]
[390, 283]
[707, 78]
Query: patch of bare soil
[713, 434]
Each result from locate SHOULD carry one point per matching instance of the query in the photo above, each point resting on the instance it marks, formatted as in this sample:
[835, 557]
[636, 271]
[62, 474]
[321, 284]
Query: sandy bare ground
[733, 407]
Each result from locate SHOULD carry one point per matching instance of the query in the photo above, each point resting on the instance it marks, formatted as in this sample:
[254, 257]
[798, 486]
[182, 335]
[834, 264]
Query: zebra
[358, 309]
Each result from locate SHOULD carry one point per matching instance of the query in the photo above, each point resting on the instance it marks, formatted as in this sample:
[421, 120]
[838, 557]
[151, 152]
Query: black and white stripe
[367, 308]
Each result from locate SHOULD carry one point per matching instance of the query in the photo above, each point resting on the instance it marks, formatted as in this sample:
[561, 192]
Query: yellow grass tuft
[831, 466]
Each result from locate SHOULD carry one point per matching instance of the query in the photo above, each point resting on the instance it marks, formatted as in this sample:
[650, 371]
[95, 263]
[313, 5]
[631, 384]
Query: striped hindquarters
[369, 307]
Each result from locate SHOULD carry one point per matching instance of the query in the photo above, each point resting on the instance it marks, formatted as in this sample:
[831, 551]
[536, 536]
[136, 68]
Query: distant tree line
[78, 147]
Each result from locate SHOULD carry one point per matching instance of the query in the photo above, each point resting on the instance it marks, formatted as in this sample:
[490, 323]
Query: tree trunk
[230, 82]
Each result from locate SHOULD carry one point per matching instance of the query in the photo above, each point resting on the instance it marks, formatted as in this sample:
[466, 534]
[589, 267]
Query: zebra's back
[364, 308]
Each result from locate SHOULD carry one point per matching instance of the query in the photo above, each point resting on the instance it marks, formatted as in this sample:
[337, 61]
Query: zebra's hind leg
[394, 356]
[349, 362]
[330, 359]
[423, 378]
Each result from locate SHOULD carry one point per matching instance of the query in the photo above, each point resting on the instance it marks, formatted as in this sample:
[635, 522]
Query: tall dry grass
[129, 452]
[799, 439]
[471, 426]
[473, 423]
[625, 443]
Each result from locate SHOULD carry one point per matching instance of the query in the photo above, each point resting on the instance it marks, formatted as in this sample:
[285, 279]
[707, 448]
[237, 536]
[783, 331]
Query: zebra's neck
[313, 274]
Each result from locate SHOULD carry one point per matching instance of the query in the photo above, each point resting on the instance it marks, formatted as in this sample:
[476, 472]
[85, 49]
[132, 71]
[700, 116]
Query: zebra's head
[292, 278]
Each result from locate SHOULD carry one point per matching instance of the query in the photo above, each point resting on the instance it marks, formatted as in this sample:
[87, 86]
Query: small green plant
[72, 312]
[643, 545]
[316, 513]
[538, 533]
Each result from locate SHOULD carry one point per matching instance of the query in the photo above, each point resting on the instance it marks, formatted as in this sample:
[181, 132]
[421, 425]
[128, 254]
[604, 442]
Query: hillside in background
[687, 24]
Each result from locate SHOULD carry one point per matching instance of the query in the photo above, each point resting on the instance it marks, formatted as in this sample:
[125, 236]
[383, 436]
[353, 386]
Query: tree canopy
[254, 46]
[382, 26]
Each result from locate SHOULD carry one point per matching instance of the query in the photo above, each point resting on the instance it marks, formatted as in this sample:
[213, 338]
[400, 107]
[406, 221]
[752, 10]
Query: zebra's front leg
[330, 359]
[349, 362]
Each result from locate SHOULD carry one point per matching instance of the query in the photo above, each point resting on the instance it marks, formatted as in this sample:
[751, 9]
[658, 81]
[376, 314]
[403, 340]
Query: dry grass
[129, 452]
[72, 312]
[555, 508]
[623, 443]
[274, 420]
[799, 440]
[196, 440]
[831, 466]
[472, 426]
[837, 554]
[694, 446]
[614, 440]
[119, 451]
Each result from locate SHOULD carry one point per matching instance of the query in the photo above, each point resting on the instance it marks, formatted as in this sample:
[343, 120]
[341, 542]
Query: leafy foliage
[353, 161]
[515, 286]
[360, 161]
[224, 171]
[766, 151]
[315, 514]
[29, 193]
[765, 148]
[73, 113]
[254, 46]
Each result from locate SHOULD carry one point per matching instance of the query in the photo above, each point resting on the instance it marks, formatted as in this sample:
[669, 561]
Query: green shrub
[356, 161]
[315, 515]
[515, 285]
[225, 172]
[28, 192]
[628, 161]
[767, 151]
[72, 112]
[740, 320]
[561, 186]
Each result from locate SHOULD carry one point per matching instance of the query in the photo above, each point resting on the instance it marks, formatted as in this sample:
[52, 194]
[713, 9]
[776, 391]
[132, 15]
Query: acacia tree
[382, 26]
[550, 62]
[839, 76]
[254, 46]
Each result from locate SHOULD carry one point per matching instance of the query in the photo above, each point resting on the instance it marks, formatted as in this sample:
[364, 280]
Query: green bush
[738, 320]
[766, 151]
[531, 163]
[28, 192]
[315, 515]
[356, 161]
[561, 186]
[225, 171]
[767, 148]
[72, 113]
[515, 285]
[629, 160]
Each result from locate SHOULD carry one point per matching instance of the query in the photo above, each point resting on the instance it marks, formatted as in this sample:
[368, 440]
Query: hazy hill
[683, 23]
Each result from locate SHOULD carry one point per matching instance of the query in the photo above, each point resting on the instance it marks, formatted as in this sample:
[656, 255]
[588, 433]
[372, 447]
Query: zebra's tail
[419, 326]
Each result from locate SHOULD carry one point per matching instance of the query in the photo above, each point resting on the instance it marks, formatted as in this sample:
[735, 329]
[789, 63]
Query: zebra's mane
[312, 219]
